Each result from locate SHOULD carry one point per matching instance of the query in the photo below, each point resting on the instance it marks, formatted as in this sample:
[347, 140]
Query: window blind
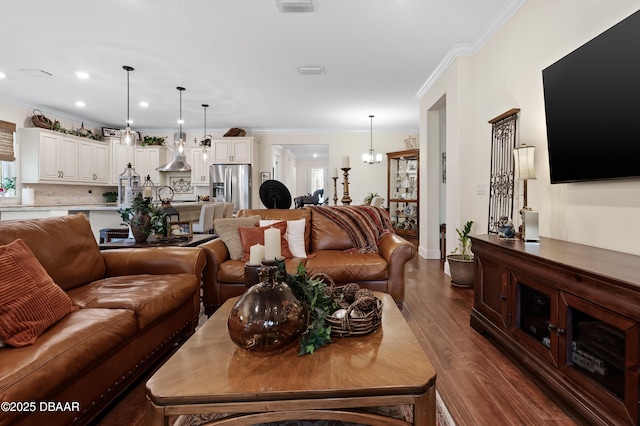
[6, 141]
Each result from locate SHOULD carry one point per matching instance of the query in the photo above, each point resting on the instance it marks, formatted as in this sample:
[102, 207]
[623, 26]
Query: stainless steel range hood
[179, 164]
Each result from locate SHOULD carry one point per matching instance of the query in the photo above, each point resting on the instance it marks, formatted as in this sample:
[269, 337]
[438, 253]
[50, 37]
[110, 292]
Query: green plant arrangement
[320, 305]
[9, 183]
[367, 200]
[110, 196]
[464, 242]
[132, 215]
[153, 140]
[206, 141]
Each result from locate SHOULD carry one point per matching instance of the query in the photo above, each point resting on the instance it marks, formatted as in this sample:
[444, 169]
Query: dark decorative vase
[141, 226]
[268, 316]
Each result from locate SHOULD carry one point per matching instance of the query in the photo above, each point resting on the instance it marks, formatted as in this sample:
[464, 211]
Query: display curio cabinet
[403, 193]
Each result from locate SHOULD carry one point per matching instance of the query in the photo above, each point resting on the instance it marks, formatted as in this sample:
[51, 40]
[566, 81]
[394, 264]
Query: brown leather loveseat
[130, 307]
[325, 242]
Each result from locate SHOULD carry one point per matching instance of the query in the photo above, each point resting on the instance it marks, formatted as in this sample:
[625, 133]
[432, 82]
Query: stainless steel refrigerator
[231, 183]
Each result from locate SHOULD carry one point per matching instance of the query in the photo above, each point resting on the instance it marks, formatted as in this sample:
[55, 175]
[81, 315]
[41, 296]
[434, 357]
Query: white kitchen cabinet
[147, 158]
[121, 156]
[93, 161]
[237, 150]
[200, 167]
[47, 156]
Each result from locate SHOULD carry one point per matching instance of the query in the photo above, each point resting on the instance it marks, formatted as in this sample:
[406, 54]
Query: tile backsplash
[56, 194]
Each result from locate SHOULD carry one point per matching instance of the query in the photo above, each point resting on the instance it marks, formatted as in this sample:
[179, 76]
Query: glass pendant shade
[206, 139]
[127, 136]
[370, 157]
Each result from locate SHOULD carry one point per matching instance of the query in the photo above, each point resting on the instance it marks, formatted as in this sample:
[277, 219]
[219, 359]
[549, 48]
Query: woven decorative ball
[349, 291]
[363, 292]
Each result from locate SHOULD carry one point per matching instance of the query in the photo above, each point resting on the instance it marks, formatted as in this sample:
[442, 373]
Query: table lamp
[524, 170]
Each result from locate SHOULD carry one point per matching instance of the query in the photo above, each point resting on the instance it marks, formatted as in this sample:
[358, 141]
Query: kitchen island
[100, 216]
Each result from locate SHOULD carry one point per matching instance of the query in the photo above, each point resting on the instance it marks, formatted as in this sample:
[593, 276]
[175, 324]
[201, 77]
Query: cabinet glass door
[535, 324]
[402, 192]
[601, 347]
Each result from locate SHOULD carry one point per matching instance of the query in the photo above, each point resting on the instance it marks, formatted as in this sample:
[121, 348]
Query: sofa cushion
[284, 214]
[255, 235]
[65, 246]
[294, 235]
[30, 301]
[149, 296]
[227, 230]
[345, 268]
[74, 344]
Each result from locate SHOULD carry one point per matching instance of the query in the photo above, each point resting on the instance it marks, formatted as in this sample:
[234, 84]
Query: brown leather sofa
[134, 306]
[325, 241]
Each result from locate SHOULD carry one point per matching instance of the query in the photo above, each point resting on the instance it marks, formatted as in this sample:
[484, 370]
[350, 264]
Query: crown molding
[469, 49]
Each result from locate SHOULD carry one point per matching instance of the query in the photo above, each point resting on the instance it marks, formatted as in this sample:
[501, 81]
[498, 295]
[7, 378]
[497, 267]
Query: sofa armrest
[156, 260]
[216, 253]
[397, 252]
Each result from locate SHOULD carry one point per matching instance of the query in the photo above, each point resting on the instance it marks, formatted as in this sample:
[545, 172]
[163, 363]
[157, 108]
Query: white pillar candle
[146, 192]
[335, 172]
[256, 253]
[271, 243]
[345, 162]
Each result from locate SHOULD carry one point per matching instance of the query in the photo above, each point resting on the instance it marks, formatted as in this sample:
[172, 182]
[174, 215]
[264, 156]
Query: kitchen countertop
[83, 207]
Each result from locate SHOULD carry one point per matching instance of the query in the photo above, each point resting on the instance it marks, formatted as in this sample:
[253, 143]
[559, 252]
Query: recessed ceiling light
[82, 75]
[294, 6]
[80, 104]
[310, 69]
[144, 104]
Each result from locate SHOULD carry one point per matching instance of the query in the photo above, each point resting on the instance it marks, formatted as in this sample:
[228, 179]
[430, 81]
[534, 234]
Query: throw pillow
[255, 235]
[294, 235]
[227, 231]
[30, 302]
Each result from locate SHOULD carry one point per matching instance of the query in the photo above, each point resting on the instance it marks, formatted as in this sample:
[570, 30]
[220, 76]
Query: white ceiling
[238, 56]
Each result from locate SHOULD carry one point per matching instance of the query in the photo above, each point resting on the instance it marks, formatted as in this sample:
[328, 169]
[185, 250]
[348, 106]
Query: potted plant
[461, 263]
[9, 185]
[144, 218]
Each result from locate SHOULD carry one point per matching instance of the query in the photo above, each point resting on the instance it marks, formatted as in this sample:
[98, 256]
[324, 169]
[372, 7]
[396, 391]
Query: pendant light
[370, 157]
[180, 121]
[179, 163]
[205, 142]
[127, 135]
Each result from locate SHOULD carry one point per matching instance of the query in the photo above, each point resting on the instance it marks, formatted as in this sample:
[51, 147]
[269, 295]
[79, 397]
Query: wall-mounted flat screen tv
[592, 108]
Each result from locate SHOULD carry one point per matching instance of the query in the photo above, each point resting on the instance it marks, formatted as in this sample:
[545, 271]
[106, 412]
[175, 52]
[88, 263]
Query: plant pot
[141, 227]
[461, 270]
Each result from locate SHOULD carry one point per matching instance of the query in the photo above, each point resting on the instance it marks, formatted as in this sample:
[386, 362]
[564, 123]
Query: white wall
[506, 73]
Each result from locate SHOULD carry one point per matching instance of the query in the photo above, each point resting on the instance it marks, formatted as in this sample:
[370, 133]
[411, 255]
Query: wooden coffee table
[210, 374]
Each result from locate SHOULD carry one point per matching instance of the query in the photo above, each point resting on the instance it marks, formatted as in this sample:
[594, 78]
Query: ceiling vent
[32, 72]
[310, 69]
[294, 6]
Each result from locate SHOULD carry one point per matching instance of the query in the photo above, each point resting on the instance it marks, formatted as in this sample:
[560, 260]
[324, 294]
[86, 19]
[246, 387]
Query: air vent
[310, 69]
[32, 72]
[294, 6]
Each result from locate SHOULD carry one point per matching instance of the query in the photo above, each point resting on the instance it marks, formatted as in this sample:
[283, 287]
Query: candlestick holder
[346, 200]
[335, 190]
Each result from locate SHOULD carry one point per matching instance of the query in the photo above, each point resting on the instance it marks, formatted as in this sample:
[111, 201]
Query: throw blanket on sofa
[364, 224]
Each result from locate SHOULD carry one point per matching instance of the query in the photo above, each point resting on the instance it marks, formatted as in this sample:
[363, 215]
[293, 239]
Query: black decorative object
[274, 195]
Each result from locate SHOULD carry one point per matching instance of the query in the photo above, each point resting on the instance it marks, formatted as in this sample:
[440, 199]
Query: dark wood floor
[477, 381]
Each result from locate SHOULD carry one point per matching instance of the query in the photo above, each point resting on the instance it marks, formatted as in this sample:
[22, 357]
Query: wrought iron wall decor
[501, 179]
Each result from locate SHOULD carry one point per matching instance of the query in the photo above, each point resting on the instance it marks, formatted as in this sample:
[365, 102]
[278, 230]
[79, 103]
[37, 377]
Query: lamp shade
[524, 162]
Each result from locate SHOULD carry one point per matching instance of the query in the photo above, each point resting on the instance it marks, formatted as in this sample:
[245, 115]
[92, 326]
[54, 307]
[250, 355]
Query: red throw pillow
[30, 301]
[252, 236]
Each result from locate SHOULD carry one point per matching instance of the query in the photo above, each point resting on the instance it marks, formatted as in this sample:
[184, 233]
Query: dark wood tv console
[568, 312]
